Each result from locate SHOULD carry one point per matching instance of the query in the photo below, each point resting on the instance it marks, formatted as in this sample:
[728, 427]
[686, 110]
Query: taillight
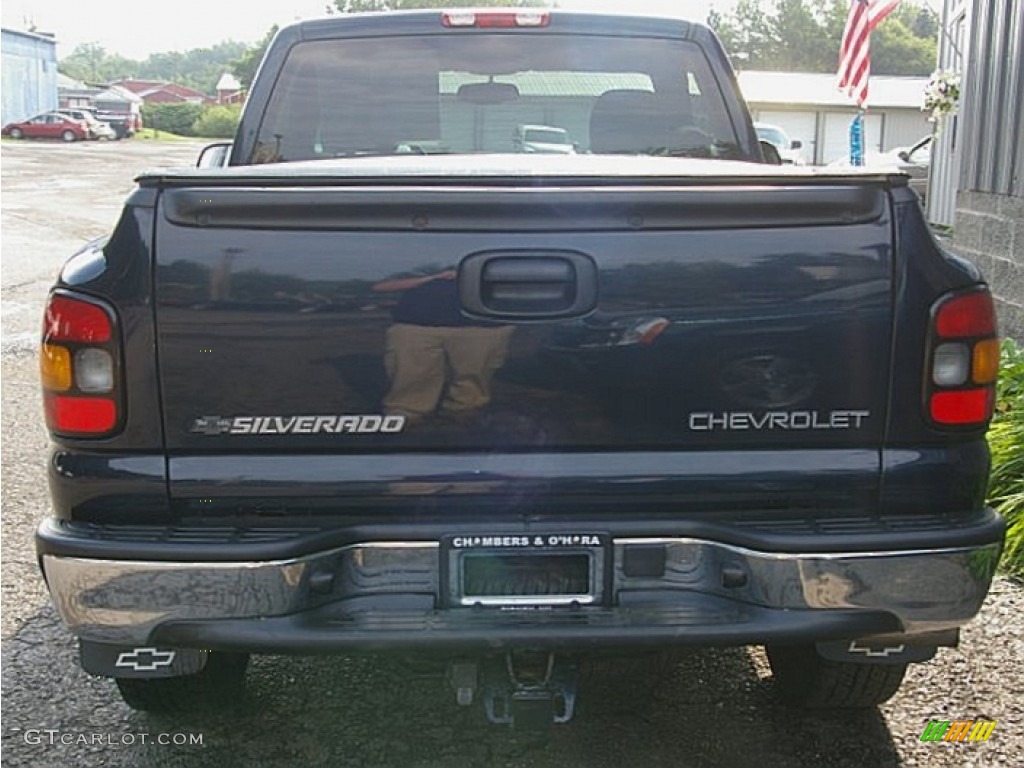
[495, 19]
[69, 319]
[970, 406]
[79, 364]
[963, 360]
[966, 315]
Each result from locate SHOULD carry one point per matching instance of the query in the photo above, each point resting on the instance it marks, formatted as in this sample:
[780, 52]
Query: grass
[1006, 439]
[149, 133]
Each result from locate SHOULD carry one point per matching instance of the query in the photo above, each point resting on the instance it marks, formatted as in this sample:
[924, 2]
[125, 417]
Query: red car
[49, 125]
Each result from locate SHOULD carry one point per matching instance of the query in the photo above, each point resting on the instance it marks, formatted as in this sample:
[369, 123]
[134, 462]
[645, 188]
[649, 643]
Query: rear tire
[68, 136]
[805, 679]
[17, 134]
[218, 686]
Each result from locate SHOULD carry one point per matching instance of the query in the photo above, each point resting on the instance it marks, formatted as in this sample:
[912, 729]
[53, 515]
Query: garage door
[837, 135]
[801, 126]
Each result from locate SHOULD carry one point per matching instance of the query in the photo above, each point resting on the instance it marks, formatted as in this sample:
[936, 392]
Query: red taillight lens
[70, 319]
[79, 364]
[964, 353]
[971, 314]
[80, 415]
[969, 406]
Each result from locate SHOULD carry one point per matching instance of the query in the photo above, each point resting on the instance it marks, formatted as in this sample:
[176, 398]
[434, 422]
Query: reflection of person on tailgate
[432, 345]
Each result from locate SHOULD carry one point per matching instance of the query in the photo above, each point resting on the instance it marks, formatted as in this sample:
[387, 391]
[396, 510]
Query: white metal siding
[904, 128]
[945, 169]
[993, 100]
[836, 128]
[28, 69]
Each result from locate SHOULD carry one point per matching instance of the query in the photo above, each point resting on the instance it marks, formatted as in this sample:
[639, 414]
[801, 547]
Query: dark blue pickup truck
[387, 382]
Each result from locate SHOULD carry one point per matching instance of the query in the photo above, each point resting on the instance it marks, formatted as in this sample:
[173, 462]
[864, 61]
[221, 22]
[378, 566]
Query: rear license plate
[525, 570]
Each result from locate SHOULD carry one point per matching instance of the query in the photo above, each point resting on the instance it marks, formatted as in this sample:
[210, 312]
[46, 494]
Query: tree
[172, 118]
[804, 36]
[922, 22]
[91, 63]
[797, 40]
[219, 122]
[895, 50]
[199, 68]
[245, 66]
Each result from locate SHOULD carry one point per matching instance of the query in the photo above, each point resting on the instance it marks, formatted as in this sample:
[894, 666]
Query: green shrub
[173, 118]
[218, 122]
[1006, 439]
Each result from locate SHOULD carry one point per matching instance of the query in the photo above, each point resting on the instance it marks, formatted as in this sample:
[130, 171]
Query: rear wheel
[17, 134]
[68, 135]
[805, 679]
[219, 685]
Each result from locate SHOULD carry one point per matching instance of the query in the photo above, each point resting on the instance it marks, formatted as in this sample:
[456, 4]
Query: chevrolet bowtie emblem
[211, 425]
[875, 651]
[145, 659]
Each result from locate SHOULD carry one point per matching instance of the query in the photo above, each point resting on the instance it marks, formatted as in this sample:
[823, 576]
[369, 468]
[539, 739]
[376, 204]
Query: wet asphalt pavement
[706, 708]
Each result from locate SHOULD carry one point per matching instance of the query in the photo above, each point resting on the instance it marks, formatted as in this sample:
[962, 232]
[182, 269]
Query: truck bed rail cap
[564, 169]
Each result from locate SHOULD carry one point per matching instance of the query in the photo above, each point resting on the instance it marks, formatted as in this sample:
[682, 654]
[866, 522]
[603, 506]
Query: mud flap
[874, 652]
[139, 662]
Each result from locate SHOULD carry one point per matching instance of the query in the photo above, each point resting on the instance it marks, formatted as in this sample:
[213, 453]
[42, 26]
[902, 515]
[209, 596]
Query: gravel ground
[708, 708]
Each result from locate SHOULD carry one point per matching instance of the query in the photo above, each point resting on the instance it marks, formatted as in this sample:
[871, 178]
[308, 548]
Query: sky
[141, 27]
[136, 29]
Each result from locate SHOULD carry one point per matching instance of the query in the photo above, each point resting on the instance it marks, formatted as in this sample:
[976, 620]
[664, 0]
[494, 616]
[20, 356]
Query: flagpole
[855, 63]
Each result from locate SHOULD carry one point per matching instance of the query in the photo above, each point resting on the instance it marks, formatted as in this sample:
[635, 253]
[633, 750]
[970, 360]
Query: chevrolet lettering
[788, 420]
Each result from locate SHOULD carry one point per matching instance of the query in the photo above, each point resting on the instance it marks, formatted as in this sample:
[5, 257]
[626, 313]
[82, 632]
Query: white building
[945, 171]
[812, 110]
[229, 90]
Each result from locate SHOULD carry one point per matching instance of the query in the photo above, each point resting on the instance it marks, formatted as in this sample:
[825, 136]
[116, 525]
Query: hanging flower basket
[942, 95]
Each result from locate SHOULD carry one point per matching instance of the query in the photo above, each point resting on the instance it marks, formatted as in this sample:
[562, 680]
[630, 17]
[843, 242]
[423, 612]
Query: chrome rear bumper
[127, 602]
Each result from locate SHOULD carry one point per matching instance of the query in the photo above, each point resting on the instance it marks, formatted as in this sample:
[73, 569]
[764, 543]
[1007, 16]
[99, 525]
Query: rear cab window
[469, 94]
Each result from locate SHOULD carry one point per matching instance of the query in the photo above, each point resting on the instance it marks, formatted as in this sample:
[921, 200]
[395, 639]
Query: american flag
[855, 54]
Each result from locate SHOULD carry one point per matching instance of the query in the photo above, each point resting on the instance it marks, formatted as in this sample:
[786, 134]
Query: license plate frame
[462, 554]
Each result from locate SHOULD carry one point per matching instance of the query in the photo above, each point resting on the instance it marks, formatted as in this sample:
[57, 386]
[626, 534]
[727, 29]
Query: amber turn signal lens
[985, 364]
[55, 368]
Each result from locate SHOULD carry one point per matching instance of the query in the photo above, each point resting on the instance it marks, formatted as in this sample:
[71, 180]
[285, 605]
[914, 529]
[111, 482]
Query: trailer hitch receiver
[530, 691]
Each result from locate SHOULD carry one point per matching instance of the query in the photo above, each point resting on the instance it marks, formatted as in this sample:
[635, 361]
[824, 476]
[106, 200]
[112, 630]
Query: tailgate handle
[528, 285]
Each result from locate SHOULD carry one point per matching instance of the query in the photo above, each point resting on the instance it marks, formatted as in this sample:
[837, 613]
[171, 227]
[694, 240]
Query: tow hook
[528, 690]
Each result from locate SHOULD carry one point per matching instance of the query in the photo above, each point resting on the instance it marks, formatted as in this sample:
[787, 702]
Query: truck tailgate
[357, 322]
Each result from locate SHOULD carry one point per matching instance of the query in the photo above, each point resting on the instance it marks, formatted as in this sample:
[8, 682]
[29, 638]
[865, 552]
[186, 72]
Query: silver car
[789, 149]
[543, 139]
[97, 128]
